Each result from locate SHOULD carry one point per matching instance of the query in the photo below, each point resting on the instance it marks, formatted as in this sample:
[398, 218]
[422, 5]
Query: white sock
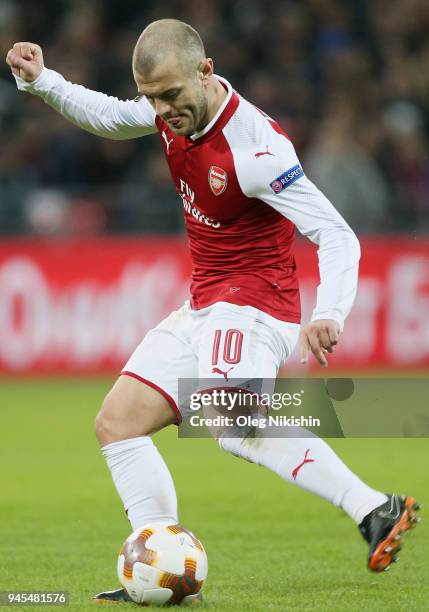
[142, 480]
[323, 473]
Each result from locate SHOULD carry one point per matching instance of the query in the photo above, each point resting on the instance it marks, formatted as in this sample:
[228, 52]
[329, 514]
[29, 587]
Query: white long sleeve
[277, 178]
[93, 111]
[338, 251]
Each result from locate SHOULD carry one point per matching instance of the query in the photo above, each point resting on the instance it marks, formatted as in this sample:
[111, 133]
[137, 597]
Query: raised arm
[92, 111]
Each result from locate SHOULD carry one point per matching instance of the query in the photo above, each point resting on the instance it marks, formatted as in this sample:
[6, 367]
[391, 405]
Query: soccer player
[243, 192]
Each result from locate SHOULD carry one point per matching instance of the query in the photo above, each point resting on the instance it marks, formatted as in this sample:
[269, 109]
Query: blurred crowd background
[347, 79]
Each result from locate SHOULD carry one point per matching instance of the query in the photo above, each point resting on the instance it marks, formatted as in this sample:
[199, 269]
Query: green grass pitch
[271, 546]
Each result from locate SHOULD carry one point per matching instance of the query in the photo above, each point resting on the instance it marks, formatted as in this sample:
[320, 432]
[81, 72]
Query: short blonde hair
[168, 38]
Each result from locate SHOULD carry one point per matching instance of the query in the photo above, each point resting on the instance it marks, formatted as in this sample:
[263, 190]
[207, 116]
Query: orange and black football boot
[383, 528]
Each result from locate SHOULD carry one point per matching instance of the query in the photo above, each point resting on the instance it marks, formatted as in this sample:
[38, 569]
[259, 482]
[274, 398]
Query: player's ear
[205, 69]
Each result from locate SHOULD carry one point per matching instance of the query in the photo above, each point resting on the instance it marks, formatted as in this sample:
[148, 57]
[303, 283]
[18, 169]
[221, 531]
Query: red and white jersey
[243, 192]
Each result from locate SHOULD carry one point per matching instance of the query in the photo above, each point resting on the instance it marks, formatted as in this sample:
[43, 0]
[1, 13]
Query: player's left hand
[319, 337]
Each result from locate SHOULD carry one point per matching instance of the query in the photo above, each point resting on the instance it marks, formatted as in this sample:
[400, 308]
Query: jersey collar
[221, 110]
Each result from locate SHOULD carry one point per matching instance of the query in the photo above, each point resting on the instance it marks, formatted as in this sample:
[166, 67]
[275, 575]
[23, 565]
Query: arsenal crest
[218, 180]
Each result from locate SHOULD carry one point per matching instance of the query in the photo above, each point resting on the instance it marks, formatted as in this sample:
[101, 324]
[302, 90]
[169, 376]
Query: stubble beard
[201, 112]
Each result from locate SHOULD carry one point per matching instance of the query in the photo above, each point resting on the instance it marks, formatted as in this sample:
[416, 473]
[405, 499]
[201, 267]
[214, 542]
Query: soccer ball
[162, 564]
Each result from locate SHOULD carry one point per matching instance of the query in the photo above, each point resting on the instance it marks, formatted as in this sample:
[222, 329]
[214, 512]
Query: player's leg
[312, 465]
[131, 412]
[301, 458]
[142, 401]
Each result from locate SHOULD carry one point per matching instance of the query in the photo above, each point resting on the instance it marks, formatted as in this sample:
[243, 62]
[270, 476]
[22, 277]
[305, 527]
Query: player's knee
[122, 417]
[132, 409]
[110, 425]
[104, 428]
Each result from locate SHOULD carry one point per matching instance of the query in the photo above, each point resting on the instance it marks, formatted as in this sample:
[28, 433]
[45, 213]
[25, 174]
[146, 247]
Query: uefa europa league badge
[218, 179]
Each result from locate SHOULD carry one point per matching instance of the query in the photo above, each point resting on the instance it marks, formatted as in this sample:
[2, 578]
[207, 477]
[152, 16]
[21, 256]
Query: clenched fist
[25, 60]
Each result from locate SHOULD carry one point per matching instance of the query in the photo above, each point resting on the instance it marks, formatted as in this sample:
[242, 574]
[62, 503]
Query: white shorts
[220, 342]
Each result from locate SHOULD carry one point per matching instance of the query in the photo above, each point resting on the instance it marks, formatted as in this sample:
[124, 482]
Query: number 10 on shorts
[232, 341]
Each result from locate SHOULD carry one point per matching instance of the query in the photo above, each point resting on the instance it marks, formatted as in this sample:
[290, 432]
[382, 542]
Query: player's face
[178, 98]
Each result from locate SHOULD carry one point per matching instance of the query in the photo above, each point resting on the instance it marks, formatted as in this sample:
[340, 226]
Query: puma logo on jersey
[261, 153]
[224, 374]
[167, 142]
